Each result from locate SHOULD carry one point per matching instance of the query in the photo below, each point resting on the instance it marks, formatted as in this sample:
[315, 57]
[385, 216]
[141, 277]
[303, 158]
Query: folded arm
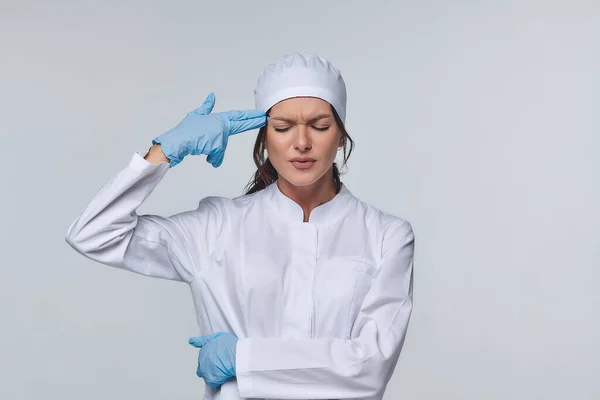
[326, 368]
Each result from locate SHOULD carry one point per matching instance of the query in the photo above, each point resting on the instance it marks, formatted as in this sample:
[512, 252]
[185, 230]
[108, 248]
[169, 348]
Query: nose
[302, 141]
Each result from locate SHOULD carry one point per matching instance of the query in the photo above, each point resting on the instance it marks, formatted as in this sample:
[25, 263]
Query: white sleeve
[332, 368]
[111, 232]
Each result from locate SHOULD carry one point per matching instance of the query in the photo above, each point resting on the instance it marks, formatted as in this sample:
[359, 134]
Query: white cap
[301, 74]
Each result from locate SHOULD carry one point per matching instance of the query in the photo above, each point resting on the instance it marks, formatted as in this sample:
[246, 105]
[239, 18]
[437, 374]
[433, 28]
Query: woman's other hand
[216, 361]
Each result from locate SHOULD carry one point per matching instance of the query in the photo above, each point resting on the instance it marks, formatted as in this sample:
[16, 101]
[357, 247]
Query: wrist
[155, 155]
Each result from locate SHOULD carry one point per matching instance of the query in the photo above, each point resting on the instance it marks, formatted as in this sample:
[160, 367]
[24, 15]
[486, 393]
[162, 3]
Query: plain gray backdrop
[477, 121]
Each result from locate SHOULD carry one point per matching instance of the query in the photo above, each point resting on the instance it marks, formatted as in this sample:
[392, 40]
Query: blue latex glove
[216, 362]
[201, 132]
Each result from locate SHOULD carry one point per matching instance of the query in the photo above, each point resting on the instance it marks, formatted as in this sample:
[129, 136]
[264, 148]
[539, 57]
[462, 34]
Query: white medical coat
[320, 308]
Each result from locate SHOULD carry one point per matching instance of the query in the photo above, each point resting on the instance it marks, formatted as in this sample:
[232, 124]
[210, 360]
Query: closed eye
[323, 129]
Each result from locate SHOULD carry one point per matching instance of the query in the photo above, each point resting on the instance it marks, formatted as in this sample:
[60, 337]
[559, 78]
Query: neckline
[325, 213]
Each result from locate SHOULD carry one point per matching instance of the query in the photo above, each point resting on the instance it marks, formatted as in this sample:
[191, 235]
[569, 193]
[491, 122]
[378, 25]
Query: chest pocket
[340, 287]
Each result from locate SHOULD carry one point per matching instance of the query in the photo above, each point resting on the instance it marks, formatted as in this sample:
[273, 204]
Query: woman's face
[302, 139]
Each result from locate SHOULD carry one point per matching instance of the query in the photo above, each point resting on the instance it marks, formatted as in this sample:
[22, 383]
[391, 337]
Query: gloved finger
[217, 163]
[247, 125]
[199, 372]
[212, 384]
[199, 341]
[241, 121]
[216, 158]
[206, 107]
[214, 335]
[212, 156]
[239, 115]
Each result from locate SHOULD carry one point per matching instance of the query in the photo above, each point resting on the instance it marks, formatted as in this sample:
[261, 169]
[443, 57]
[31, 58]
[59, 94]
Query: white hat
[301, 74]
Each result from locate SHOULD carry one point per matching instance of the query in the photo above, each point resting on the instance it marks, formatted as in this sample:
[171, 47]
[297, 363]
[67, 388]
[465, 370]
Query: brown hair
[267, 174]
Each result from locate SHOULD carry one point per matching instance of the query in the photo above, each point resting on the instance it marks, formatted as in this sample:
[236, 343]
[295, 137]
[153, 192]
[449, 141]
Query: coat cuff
[139, 164]
[242, 368]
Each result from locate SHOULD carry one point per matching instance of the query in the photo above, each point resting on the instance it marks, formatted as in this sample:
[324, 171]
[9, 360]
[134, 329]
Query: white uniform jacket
[321, 308]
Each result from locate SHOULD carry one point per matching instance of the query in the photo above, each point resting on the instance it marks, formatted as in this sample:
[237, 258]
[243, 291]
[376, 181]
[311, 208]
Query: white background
[477, 121]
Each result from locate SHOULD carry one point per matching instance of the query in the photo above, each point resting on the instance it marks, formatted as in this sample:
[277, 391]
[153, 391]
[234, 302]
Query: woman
[301, 290]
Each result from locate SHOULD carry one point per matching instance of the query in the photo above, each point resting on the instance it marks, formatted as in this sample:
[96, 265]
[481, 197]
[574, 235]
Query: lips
[303, 162]
[302, 159]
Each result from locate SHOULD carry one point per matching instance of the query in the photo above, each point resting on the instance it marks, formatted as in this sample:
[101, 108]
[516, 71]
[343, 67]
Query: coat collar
[325, 213]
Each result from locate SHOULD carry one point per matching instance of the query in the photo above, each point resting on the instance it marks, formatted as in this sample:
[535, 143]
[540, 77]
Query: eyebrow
[313, 119]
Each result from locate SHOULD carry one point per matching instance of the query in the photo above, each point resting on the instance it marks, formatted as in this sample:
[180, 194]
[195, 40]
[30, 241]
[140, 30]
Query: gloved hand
[203, 133]
[216, 361]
